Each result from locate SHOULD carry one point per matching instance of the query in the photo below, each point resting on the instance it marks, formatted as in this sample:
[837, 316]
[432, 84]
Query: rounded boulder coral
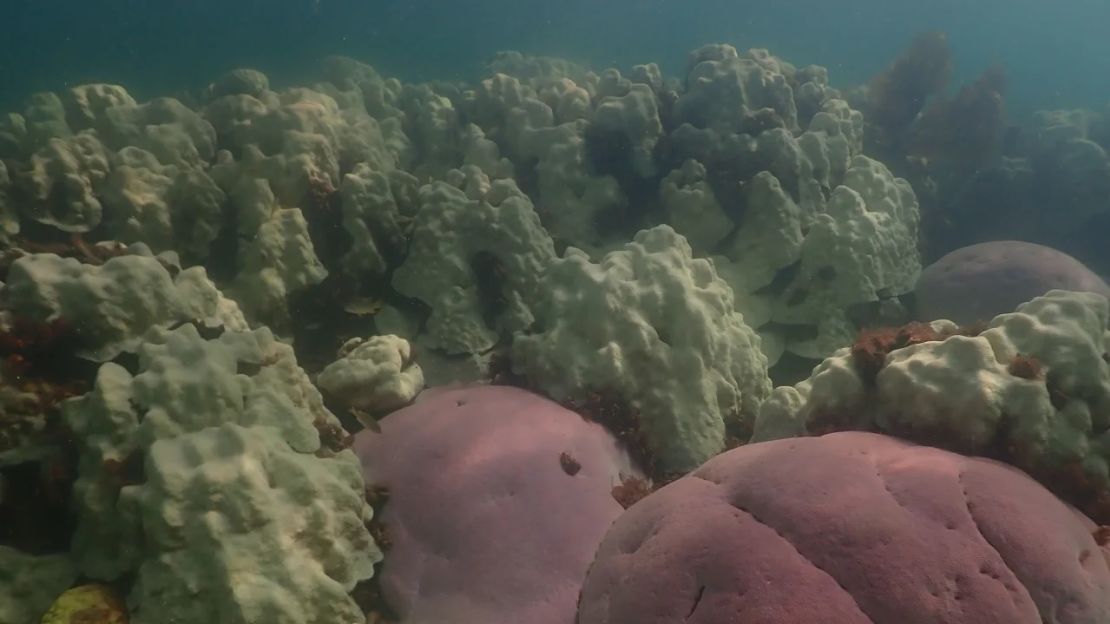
[497, 500]
[978, 282]
[849, 528]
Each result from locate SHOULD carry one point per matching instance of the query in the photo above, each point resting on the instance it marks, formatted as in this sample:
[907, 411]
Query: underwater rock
[849, 528]
[497, 499]
[978, 282]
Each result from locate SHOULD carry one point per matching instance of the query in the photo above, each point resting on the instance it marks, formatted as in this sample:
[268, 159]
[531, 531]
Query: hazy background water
[1057, 54]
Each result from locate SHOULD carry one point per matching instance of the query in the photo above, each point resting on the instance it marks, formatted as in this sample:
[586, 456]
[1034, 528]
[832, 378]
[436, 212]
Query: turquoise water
[1054, 54]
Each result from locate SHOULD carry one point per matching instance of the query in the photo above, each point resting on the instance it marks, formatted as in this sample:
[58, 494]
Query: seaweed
[896, 96]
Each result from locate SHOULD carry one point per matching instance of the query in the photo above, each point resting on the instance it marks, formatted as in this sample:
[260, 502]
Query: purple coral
[849, 528]
[498, 499]
[979, 282]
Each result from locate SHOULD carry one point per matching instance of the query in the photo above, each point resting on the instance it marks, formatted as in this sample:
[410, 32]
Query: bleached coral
[243, 508]
[60, 182]
[725, 90]
[113, 305]
[167, 207]
[378, 209]
[658, 327]
[276, 261]
[634, 117]
[9, 216]
[830, 227]
[546, 130]
[476, 258]
[862, 246]
[1033, 388]
[378, 374]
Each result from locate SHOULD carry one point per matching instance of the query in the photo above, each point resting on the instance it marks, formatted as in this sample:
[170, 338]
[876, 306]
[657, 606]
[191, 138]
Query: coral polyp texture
[477, 254]
[1032, 388]
[497, 499]
[378, 374]
[657, 328]
[849, 528]
[802, 224]
[215, 476]
[112, 306]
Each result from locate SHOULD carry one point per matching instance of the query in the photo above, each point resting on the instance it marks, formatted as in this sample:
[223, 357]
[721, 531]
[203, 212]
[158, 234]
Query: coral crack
[975, 523]
[697, 601]
[738, 507]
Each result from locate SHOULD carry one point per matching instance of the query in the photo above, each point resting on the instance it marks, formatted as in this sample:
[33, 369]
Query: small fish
[363, 306]
[365, 419]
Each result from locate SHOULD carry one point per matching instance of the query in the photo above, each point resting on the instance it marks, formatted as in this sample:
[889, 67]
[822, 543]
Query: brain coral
[978, 282]
[848, 528]
[498, 499]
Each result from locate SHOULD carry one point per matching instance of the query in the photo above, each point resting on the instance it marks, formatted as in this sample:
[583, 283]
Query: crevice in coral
[783, 537]
[697, 601]
[975, 522]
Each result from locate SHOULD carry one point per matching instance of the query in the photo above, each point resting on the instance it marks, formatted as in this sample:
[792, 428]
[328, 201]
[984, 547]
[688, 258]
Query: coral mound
[849, 528]
[657, 327]
[498, 499]
[979, 282]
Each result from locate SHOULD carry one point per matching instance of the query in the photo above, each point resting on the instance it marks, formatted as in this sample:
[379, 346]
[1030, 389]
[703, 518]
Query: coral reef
[641, 248]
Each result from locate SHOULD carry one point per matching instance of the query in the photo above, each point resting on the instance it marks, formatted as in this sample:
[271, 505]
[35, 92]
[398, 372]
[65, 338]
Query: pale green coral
[658, 328]
[113, 305]
[466, 221]
[286, 537]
